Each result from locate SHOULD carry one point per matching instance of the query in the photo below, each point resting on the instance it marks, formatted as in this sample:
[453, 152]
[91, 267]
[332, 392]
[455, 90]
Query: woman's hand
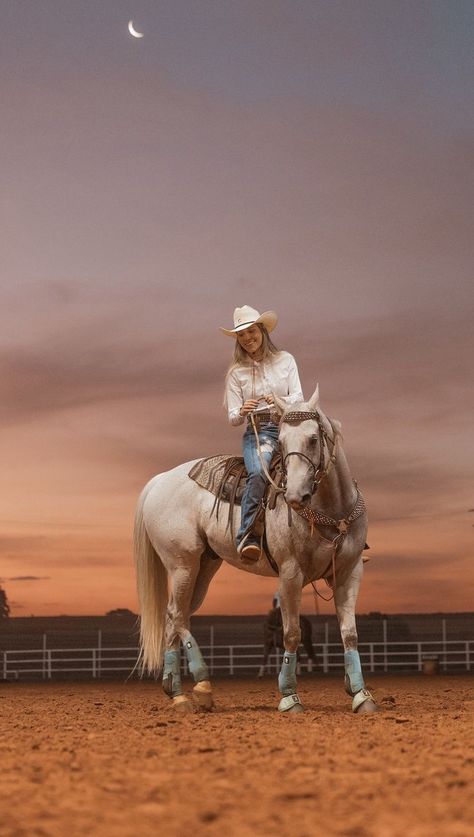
[248, 406]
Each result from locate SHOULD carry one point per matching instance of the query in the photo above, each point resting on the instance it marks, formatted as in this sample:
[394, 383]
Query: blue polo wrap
[287, 676]
[171, 674]
[354, 678]
[197, 666]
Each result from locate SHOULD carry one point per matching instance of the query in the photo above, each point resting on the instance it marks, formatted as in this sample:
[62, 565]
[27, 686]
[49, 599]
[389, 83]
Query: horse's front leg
[291, 584]
[346, 599]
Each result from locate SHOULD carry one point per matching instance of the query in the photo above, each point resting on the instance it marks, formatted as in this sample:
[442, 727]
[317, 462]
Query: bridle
[313, 517]
[321, 470]
[317, 518]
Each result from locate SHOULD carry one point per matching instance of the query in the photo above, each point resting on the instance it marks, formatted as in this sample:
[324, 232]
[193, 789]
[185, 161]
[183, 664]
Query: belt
[263, 416]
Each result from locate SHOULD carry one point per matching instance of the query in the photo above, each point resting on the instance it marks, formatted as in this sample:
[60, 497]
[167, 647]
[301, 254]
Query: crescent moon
[133, 31]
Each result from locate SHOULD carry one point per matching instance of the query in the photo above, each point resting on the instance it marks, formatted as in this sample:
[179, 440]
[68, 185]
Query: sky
[314, 158]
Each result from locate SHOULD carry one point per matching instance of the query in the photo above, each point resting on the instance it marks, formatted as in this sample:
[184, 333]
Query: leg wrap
[197, 666]
[354, 678]
[287, 676]
[171, 674]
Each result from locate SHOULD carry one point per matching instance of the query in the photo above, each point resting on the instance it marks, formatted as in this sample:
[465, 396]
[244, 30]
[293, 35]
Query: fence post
[99, 653]
[385, 659]
[325, 658]
[211, 640]
[468, 655]
[371, 649]
[420, 662]
[44, 657]
[50, 667]
[5, 672]
[231, 659]
[326, 648]
[444, 633]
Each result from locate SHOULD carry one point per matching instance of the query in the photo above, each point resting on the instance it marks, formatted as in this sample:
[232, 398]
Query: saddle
[225, 477]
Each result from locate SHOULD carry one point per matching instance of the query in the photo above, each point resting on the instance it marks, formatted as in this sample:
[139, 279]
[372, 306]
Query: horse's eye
[313, 439]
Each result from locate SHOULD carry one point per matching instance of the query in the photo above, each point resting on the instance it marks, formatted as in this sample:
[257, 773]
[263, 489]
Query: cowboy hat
[246, 316]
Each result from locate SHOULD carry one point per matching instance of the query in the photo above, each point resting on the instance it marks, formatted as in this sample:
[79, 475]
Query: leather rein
[314, 517]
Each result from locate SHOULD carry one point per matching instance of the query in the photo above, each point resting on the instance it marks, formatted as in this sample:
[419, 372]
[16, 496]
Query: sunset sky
[315, 158]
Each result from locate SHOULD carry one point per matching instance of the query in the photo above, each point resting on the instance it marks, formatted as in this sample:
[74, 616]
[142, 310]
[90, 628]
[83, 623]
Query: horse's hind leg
[182, 581]
[202, 692]
[345, 599]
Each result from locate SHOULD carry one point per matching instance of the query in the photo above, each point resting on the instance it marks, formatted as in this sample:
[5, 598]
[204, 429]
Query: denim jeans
[256, 480]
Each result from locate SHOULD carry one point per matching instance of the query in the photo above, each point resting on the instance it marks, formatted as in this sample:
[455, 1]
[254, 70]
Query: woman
[257, 371]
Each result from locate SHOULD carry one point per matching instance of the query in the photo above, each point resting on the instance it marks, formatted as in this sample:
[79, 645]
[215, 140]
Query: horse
[317, 529]
[273, 637]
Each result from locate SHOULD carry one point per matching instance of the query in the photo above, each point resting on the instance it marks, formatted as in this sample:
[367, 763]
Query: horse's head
[302, 448]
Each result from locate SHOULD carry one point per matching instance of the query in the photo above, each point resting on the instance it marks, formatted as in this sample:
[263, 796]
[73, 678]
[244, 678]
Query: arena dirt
[113, 760]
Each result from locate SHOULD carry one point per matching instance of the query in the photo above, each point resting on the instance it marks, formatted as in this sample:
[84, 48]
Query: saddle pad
[209, 473]
[225, 476]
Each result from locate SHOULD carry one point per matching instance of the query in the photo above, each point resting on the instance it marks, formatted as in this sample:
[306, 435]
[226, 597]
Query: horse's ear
[313, 402]
[280, 403]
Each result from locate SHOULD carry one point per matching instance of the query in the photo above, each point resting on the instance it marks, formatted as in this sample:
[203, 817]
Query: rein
[316, 518]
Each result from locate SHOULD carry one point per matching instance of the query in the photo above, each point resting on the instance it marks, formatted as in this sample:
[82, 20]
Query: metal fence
[243, 660]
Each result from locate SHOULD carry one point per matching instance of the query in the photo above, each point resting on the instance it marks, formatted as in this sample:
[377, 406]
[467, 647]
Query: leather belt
[263, 416]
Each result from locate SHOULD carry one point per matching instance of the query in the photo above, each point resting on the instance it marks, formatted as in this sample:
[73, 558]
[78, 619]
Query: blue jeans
[256, 480]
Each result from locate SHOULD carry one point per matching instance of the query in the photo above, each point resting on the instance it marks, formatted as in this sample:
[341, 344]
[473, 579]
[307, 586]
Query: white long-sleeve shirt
[276, 374]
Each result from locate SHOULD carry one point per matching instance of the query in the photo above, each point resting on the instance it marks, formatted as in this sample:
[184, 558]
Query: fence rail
[227, 660]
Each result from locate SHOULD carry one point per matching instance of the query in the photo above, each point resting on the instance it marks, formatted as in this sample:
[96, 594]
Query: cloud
[351, 221]
[28, 578]
[23, 543]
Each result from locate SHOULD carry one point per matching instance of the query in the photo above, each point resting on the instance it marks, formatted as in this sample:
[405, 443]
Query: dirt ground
[113, 759]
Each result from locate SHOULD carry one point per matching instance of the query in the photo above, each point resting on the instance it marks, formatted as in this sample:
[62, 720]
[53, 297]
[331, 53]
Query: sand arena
[113, 759]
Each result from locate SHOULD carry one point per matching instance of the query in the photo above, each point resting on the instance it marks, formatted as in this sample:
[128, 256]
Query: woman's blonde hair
[242, 358]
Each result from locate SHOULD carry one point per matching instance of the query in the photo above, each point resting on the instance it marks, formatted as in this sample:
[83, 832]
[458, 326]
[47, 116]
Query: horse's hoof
[297, 709]
[363, 703]
[202, 696]
[182, 705]
[290, 703]
[368, 707]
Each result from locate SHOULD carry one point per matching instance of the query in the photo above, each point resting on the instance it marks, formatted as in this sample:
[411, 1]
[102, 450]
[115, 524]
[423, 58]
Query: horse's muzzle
[298, 503]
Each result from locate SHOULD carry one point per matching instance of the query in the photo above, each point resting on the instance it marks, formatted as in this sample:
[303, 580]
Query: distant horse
[273, 637]
[180, 543]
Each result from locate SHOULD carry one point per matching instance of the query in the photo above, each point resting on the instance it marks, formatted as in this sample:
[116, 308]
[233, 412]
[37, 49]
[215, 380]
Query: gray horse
[316, 530]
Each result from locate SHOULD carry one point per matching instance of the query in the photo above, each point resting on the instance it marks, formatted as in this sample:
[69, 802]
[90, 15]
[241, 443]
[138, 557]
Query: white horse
[180, 545]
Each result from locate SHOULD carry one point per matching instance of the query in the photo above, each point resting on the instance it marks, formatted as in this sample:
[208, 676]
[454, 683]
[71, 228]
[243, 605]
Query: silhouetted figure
[4, 606]
[273, 636]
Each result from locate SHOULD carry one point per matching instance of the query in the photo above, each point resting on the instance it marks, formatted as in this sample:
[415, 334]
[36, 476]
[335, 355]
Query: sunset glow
[315, 164]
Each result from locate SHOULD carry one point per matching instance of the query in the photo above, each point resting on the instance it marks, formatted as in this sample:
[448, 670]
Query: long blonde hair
[242, 358]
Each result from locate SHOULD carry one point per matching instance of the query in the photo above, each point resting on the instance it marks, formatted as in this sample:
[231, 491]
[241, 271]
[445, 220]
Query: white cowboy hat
[246, 316]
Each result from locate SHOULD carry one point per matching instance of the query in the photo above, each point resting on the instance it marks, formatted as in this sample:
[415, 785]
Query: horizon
[314, 159]
[371, 614]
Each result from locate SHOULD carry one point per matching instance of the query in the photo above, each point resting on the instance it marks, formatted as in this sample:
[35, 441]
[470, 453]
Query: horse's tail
[152, 585]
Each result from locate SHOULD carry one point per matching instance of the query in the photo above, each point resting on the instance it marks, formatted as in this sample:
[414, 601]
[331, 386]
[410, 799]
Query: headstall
[297, 416]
